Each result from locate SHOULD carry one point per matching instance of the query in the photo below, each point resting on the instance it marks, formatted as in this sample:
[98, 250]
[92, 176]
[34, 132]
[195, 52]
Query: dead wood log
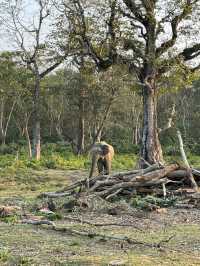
[101, 181]
[137, 181]
[38, 222]
[110, 186]
[157, 174]
[54, 194]
[196, 172]
[178, 174]
[114, 194]
[146, 190]
[195, 195]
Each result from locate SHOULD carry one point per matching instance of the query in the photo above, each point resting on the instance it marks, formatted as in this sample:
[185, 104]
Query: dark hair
[105, 149]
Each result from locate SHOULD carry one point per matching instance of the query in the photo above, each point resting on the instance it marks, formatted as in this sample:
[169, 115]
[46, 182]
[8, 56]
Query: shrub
[143, 203]
[8, 149]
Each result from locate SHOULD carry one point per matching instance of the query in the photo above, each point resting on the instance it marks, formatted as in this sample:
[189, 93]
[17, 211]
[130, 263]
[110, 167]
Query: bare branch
[190, 53]
[174, 25]
[134, 10]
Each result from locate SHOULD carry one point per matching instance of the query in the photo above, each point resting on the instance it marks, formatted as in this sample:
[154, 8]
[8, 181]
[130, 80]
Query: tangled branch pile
[150, 180]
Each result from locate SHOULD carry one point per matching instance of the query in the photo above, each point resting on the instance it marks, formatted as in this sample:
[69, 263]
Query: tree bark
[81, 129]
[36, 119]
[28, 141]
[4, 122]
[151, 149]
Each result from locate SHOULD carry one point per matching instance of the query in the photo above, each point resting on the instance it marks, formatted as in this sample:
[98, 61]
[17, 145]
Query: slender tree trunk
[98, 134]
[3, 139]
[5, 121]
[28, 141]
[98, 131]
[81, 129]
[151, 150]
[136, 129]
[36, 120]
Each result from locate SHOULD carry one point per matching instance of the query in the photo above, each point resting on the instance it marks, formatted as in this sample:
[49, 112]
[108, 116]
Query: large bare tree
[152, 37]
[32, 37]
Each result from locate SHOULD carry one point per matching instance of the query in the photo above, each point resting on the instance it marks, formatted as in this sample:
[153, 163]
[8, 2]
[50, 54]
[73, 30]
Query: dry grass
[22, 244]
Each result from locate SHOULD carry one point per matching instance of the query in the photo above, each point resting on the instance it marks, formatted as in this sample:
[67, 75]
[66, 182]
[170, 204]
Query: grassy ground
[22, 244]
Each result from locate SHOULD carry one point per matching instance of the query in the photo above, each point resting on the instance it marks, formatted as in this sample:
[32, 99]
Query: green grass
[63, 161]
[59, 156]
[22, 180]
[36, 246]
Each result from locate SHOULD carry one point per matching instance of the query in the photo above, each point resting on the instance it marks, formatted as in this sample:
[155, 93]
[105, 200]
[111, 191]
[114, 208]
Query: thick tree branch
[174, 25]
[191, 52]
[52, 67]
[186, 55]
[131, 5]
[101, 63]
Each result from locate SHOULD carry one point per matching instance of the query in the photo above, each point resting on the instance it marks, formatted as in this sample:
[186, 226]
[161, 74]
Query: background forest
[76, 72]
[80, 107]
[72, 73]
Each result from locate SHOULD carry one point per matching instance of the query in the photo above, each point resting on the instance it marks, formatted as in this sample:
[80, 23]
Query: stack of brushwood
[156, 179]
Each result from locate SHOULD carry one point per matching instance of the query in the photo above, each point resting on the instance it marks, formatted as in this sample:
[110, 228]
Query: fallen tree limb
[138, 181]
[54, 194]
[196, 172]
[184, 158]
[38, 222]
[91, 234]
[178, 174]
[166, 240]
[101, 224]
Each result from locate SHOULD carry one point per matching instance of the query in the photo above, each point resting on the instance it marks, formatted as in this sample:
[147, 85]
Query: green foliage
[56, 156]
[4, 255]
[50, 216]
[143, 203]
[124, 161]
[171, 150]
[195, 148]
[8, 149]
[12, 219]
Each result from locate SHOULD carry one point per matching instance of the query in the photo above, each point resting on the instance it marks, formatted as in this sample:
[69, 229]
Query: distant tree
[10, 90]
[36, 49]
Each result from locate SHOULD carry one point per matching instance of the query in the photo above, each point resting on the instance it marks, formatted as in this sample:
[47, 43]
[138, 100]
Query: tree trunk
[136, 130]
[98, 131]
[5, 121]
[151, 150]
[36, 120]
[81, 129]
[3, 139]
[28, 141]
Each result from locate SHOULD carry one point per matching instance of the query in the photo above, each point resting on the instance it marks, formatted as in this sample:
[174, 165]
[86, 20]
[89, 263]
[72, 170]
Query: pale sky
[30, 9]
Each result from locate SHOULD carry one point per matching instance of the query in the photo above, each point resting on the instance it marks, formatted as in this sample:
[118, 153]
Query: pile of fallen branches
[150, 180]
